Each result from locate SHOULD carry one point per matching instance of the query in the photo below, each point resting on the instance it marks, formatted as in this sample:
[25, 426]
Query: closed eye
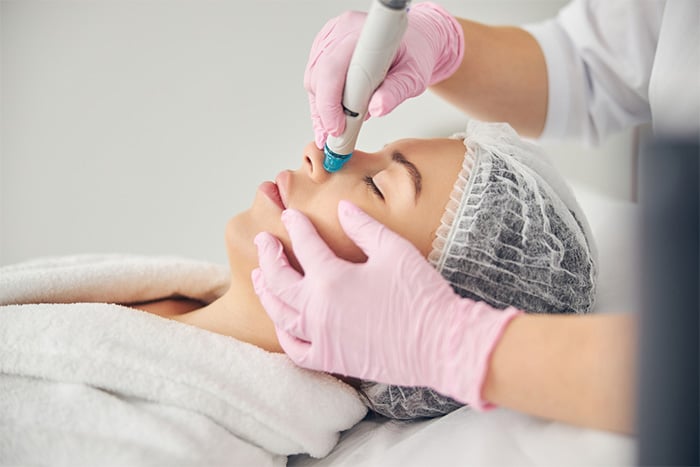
[370, 183]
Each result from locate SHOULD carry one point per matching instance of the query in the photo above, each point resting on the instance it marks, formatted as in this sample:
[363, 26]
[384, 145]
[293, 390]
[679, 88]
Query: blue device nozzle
[332, 161]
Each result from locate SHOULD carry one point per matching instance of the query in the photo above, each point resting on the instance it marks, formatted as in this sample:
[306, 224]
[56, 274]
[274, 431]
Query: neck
[238, 314]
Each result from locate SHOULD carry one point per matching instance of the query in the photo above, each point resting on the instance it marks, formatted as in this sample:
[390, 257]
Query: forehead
[436, 159]
[439, 161]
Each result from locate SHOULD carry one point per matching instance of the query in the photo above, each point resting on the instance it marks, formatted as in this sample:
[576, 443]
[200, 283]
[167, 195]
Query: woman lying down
[201, 378]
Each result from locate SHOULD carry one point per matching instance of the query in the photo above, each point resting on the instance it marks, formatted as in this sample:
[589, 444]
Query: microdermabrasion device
[375, 50]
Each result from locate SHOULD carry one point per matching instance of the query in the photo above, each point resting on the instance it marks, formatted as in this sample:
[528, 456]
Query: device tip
[332, 161]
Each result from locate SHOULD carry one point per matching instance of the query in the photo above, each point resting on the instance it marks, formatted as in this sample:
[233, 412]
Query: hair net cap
[512, 234]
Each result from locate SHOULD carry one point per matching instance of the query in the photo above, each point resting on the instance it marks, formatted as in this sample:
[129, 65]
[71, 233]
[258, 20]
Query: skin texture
[316, 193]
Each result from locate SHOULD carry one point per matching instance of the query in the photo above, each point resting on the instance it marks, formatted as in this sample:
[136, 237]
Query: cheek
[319, 202]
[420, 235]
[262, 217]
[323, 213]
[418, 226]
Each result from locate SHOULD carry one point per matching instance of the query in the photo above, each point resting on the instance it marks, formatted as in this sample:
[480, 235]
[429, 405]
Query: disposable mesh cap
[512, 235]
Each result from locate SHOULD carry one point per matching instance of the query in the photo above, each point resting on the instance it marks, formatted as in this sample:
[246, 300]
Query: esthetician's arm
[576, 369]
[502, 78]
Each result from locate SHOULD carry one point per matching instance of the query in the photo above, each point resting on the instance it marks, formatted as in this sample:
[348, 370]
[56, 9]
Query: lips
[270, 190]
[277, 191]
[282, 182]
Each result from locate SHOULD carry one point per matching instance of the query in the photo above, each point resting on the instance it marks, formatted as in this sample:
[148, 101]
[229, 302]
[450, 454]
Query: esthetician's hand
[431, 51]
[392, 319]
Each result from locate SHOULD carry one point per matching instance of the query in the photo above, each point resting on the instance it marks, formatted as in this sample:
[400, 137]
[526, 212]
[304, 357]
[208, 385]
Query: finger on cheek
[288, 218]
[269, 248]
[291, 218]
[348, 209]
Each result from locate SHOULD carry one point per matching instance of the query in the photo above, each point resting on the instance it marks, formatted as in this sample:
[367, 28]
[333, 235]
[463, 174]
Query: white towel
[110, 278]
[98, 383]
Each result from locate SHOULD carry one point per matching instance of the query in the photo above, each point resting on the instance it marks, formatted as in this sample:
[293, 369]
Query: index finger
[310, 249]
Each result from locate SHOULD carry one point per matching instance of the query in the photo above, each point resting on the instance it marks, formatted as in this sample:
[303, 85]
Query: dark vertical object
[668, 392]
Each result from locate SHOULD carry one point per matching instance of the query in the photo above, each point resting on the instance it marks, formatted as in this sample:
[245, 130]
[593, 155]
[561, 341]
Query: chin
[242, 229]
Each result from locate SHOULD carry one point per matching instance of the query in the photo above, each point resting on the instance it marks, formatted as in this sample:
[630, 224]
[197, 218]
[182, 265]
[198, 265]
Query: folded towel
[110, 278]
[94, 383]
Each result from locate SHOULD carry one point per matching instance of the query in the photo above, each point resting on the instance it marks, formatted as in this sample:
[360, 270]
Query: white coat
[613, 64]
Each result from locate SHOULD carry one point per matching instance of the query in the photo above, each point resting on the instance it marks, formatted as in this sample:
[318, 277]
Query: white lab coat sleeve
[599, 56]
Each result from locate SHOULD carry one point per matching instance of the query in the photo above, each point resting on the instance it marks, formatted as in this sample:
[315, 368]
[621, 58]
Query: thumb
[396, 88]
[311, 250]
[295, 348]
[320, 134]
[368, 233]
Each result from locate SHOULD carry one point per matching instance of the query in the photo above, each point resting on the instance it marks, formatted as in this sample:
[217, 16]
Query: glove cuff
[445, 35]
[468, 349]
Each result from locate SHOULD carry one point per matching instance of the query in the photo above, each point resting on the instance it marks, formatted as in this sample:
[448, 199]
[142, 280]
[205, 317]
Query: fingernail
[255, 277]
[376, 106]
[265, 241]
[262, 240]
[347, 208]
[373, 109]
[288, 216]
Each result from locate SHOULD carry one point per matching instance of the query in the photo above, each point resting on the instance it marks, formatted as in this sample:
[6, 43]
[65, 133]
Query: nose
[312, 161]
[360, 162]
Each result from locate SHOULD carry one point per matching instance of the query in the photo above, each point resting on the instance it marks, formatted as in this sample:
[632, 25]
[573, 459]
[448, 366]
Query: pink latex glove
[392, 319]
[431, 51]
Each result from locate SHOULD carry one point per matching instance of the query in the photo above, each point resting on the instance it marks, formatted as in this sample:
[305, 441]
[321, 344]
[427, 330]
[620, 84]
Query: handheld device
[375, 50]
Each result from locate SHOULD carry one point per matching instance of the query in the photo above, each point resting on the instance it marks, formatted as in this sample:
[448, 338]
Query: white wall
[142, 126]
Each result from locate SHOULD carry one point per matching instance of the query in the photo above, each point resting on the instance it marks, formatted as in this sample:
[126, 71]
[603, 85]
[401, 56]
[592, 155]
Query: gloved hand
[392, 319]
[431, 51]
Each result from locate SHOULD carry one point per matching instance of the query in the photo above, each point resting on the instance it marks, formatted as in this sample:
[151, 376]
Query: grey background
[142, 126]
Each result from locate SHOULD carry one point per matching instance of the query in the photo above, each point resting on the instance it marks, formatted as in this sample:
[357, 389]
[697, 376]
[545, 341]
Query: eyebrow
[411, 169]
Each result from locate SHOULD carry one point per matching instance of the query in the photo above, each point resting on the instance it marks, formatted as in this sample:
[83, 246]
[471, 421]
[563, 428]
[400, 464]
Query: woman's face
[405, 186]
